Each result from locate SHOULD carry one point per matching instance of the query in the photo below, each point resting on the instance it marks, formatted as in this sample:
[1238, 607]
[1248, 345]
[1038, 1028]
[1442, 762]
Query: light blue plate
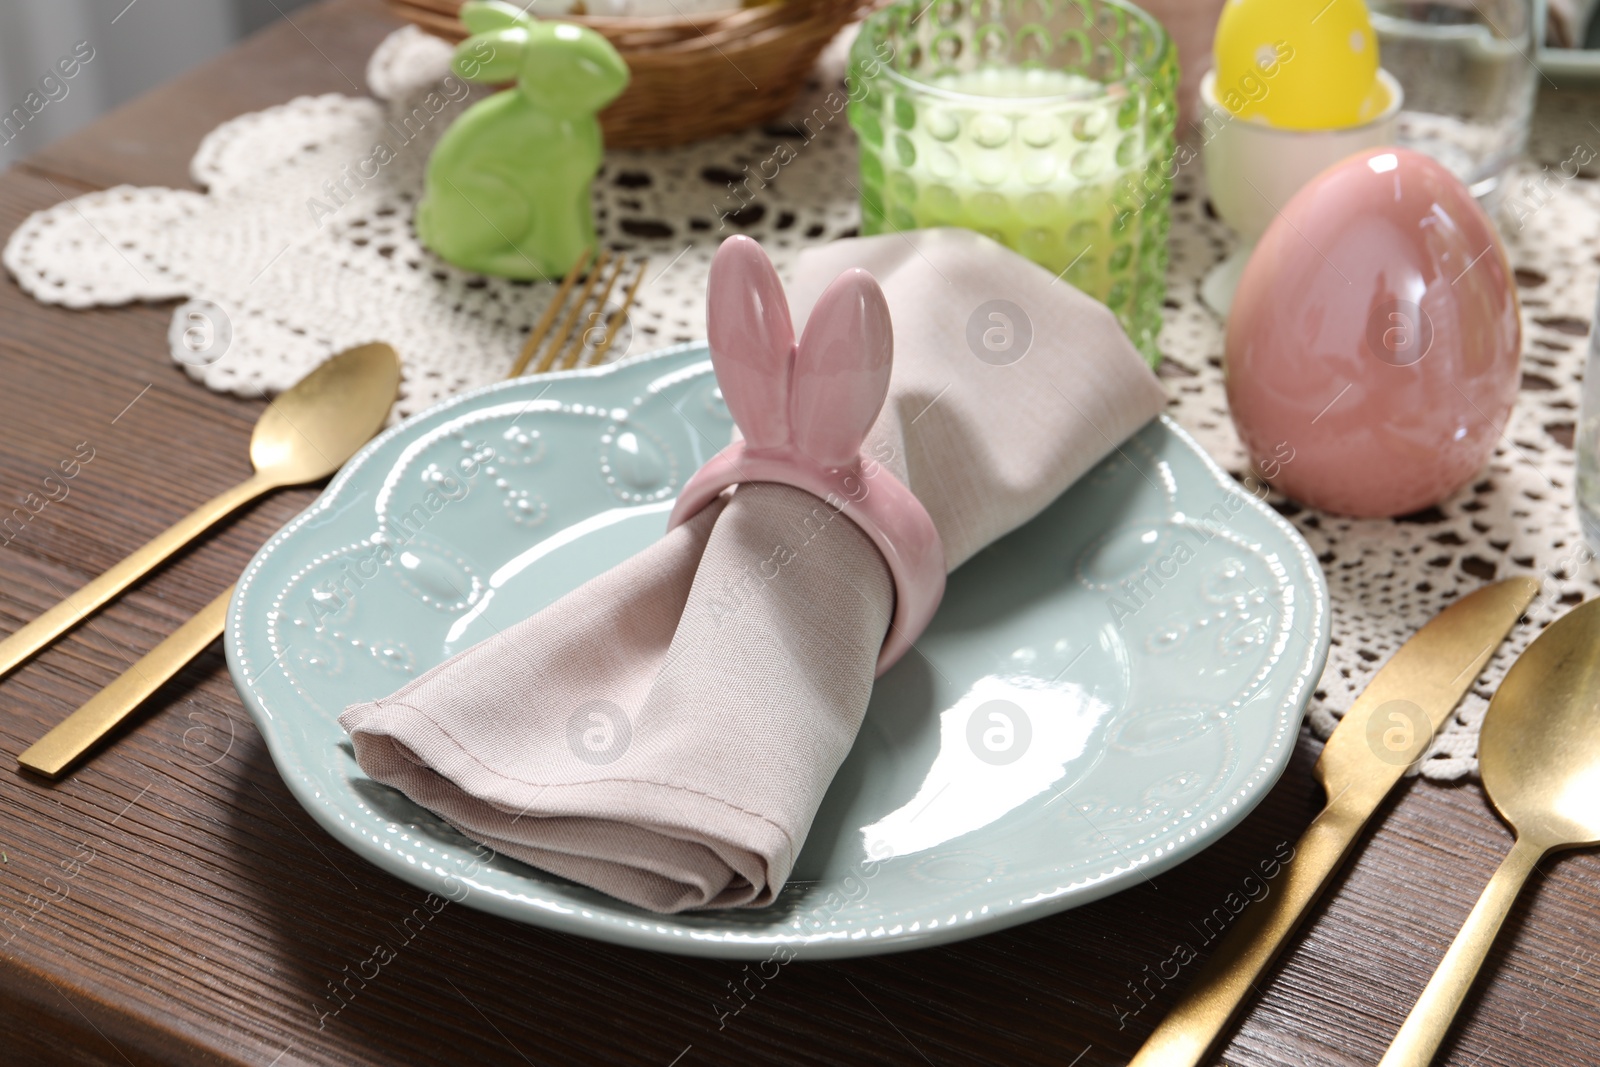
[1103, 693]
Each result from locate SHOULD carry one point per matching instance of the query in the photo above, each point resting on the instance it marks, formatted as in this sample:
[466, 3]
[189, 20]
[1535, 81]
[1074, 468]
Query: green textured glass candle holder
[1045, 124]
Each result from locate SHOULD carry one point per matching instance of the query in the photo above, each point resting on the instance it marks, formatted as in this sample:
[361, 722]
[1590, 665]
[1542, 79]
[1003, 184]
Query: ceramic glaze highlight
[1375, 338]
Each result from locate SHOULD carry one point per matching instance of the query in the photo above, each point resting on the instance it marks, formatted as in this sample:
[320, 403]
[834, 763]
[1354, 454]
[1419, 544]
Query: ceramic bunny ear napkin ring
[804, 410]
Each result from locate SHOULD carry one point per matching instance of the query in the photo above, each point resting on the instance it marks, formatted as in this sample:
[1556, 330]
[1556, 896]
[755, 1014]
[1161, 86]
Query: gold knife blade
[1386, 730]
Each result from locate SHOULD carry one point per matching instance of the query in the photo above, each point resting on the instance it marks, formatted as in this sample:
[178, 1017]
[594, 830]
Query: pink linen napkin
[666, 732]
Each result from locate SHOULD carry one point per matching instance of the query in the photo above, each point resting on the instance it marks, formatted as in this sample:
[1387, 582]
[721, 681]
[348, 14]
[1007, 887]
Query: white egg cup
[1253, 169]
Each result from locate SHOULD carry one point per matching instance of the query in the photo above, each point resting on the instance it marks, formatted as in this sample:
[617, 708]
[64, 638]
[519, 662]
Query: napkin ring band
[866, 493]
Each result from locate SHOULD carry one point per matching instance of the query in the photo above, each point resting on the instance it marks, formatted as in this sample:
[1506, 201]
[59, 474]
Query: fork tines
[582, 343]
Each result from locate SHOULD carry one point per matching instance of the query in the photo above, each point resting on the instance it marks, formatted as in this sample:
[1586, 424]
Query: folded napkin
[665, 732]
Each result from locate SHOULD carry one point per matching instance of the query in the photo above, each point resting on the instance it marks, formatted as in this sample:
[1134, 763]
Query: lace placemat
[302, 246]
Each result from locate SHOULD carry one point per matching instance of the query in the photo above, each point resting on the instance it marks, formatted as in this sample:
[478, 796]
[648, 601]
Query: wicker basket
[696, 77]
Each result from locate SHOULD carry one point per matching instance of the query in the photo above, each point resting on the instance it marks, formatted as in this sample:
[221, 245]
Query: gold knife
[55, 753]
[1385, 731]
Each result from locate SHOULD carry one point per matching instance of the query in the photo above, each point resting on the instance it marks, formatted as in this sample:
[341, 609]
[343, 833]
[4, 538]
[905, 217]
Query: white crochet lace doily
[287, 258]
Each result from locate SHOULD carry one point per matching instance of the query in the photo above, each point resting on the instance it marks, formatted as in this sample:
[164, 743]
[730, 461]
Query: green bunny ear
[486, 16]
[491, 57]
[571, 69]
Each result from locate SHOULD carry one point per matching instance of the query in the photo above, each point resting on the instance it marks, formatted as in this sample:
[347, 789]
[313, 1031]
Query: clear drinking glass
[1588, 441]
[1045, 124]
[1470, 83]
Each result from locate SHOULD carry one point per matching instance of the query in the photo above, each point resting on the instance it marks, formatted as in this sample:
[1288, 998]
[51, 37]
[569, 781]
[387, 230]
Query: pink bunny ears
[804, 411]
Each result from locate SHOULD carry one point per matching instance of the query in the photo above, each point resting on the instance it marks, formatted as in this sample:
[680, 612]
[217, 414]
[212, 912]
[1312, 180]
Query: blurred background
[149, 42]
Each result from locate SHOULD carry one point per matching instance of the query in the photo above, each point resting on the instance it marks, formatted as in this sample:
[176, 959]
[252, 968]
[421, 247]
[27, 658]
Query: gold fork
[588, 346]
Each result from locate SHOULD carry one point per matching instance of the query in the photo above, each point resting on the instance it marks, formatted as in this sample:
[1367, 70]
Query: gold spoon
[305, 434]
[75, 735]
[312, 429]
[1539, 755]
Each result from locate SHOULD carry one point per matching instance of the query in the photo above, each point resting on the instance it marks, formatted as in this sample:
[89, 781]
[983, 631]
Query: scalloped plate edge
[662, 933]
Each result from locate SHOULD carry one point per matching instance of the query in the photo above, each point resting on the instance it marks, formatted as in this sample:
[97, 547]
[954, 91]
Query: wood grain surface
[171, 904]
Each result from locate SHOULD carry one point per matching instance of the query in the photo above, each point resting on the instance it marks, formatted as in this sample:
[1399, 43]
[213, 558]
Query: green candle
[1035, 133]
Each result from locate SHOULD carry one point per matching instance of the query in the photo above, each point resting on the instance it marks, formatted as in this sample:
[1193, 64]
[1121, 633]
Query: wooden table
[171, 904]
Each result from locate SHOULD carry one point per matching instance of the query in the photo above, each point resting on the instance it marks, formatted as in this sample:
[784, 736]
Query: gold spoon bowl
[306, 434]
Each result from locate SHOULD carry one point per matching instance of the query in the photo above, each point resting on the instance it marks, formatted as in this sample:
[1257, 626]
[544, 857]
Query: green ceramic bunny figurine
[507, 189]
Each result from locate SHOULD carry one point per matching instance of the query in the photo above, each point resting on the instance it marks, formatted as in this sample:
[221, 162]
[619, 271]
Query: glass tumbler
[1045, 124]
[1588, 442]
[1469, 80]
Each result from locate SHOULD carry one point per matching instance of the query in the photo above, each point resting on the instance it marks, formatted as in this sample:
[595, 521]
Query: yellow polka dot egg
[1299, 64]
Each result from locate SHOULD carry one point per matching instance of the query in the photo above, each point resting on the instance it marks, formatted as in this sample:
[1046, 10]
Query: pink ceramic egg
[1374, 344]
